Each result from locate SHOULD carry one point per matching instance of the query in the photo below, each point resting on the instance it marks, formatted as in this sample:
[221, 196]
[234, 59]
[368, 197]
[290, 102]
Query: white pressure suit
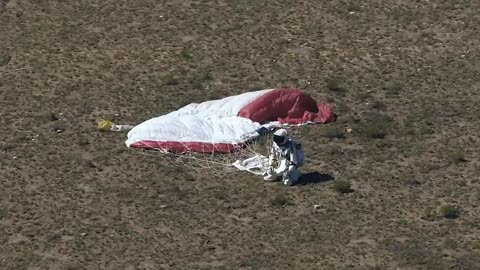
[283, 160]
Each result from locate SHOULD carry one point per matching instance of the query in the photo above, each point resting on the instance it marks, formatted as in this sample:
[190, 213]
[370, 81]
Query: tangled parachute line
[258, 147]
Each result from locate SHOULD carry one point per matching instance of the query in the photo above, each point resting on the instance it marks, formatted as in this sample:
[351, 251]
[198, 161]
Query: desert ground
[395, 179]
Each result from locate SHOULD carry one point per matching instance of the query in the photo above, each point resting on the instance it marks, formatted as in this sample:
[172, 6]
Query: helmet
[280, 136]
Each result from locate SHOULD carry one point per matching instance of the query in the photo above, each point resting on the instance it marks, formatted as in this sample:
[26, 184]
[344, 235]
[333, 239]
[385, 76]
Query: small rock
[163, 206]
[316, 206]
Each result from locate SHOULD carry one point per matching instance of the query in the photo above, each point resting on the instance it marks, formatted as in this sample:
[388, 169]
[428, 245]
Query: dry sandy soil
[402, 75]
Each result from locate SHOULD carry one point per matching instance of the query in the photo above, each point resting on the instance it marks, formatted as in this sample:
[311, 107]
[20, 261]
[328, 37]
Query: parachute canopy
[225, 125]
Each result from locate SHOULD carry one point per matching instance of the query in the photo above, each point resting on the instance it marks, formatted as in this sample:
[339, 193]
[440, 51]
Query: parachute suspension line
[215, 161]
[221, 161]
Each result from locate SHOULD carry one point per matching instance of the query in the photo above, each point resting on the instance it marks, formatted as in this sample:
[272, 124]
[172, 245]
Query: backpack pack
[300, 154]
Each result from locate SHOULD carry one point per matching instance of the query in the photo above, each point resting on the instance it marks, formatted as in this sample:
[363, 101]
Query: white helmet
[280, 136]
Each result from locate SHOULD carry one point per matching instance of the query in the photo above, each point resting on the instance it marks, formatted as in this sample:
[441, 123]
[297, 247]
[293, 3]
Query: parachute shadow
[314, 178]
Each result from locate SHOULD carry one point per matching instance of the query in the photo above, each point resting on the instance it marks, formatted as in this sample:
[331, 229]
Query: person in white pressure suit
[285, 157]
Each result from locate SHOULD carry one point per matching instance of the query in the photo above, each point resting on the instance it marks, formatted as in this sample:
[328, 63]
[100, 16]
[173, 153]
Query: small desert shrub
[5, 59]
[342, 186]
[219, 193]
[189, 178]
[83, 141]
[179, 193]
[170, 80]
[280, 200]
[336, 84]
[449, 211]
[476, 245]
[6, 146]
[378, 105]
[363, 96]
[376, 131]
[334, 151]
[47, 116]
[392, 87]
[457, 157]
[410, 180]
[198, 80]
[377, 126]
[426, 131]
[330, 99]
[334, 132]
[341, 108]
[429, 214]
[451, 243]
[187, 55]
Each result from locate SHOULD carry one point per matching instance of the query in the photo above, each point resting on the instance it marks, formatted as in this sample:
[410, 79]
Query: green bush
[376, 131]
[170, 80]
[377, 126]
[4, 60]
[334, 132]
[198, 80]
[342, 186]
[392, 87]
[449, 211]
[457, 157]
[280, 200]
[429, 214]
[336, 84]
[363, 96]
[379, 105]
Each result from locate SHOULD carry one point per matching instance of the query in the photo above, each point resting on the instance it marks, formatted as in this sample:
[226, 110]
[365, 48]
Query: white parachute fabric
[202, 127]
[214, 121]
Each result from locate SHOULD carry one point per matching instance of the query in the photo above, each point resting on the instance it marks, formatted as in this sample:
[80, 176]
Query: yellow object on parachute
[105, 125]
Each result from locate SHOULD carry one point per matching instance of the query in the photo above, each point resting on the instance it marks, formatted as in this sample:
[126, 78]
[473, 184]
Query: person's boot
[270, 177]
[291, 178]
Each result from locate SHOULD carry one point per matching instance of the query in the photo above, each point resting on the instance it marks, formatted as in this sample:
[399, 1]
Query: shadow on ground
[314, 178]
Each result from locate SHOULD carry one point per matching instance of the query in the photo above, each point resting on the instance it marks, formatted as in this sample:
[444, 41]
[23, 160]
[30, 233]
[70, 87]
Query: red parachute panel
[288, 106]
